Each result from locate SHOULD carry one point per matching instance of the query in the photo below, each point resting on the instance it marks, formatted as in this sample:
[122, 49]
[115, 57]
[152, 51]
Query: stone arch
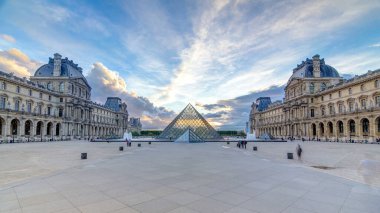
[365, 127]
[313, 129]
[28, 127]
[58, 129]
[340, 128]
[321, 129]
[351, 127]
[377, 127]
[49, 128]
[39, 128]
[330, 128]
[2, 126]
[15, 127]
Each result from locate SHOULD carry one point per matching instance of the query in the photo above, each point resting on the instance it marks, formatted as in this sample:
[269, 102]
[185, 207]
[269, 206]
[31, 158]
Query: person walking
[299, 152]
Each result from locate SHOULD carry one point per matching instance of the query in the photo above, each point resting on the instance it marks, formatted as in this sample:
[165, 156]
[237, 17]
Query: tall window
[49, 110]
[323, 86]
[39, 109]
[41, 95]
[18, 89]
[377, 100]
[30, 92]
[80, 92]
[323, 111]
[311, 88]
[3, 86]
[29, 107]
[364, 103]
[365, 126]
[331, 109]
[72, 89]
[3, 100]
[49, 97]
[60, 112]
[340, 126]
[362, 88]
[312, 113]
[350, 91]
[61, 87]
[50, 86]
[17, 105]
[340, 94]
[377, 84]
[351, 106]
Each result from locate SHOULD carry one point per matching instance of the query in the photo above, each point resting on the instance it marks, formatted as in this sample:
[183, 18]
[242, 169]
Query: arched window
[323, 86]
[50, 86]
[312, 87]
[61, 87]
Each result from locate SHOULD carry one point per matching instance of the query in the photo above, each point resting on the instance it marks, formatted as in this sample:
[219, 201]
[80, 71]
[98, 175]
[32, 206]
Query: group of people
[242, 144]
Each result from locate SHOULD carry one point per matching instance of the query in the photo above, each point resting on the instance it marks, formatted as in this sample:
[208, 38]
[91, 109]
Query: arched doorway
[351, 126]
[365, 126]
[321, 129]
[314, 130]
[15, 123]
[2, 123]
[330, 129]
[39, 127]
[28, 127]
[49, 128]
[340, 128]
[57, 129]
[377, 130]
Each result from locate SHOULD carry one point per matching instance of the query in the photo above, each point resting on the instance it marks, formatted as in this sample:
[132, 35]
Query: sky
[220, 55]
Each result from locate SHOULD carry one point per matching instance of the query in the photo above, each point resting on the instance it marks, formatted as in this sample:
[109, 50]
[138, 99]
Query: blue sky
[218, 55]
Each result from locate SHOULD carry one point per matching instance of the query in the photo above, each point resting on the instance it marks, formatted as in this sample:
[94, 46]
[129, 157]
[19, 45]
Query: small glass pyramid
[191, 119]
[189, 137]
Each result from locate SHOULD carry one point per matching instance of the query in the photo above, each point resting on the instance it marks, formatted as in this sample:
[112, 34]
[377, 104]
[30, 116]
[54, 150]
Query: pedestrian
[245, 144]
[299, 152]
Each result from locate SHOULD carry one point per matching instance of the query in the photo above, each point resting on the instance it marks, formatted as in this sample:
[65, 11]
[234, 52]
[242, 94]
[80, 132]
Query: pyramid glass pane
[191, 119]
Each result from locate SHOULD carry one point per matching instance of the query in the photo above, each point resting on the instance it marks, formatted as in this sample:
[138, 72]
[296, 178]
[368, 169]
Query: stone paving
[163, 177]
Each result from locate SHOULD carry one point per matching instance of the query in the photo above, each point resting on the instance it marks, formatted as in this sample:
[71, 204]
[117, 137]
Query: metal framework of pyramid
[191, 119]
[189, 137]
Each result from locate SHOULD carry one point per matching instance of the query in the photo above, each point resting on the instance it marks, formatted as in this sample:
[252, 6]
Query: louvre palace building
[55, 104]
[321, 105]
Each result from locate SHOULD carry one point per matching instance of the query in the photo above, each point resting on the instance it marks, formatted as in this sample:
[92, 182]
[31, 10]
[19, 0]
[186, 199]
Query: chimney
[57, 64]
[316, 66]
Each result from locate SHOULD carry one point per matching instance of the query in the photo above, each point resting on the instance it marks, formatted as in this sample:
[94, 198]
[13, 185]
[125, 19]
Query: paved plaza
[208, 177]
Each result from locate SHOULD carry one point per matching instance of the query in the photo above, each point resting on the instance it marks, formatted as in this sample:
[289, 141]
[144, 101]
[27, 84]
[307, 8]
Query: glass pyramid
[191, 119]
[189, 137]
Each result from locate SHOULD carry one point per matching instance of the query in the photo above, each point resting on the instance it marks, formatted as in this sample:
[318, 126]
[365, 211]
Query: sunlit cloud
[7, 38]
[17, 62]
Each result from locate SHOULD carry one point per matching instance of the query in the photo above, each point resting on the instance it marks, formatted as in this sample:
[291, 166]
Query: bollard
[255, 148]
[121, 148]
[150, 142]
[83, 156]
[228, 142]
[290, 155]
[139, 144]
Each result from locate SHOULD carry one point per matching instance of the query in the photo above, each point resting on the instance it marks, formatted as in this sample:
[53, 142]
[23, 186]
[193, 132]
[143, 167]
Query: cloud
[14, 60]
[212, 107]
[238, 115]
[8, 38]
[375, 45]
[108, 83]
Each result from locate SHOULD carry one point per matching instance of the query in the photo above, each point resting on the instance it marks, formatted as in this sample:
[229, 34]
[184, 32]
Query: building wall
[338, 111]
[32, 110]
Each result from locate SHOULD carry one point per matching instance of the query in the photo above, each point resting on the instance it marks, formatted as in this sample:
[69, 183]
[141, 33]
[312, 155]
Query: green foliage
[231, 133]
[150, 132]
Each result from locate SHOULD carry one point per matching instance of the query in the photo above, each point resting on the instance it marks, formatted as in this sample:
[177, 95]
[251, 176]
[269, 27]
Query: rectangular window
[364, 103]
[377, 101]
[30, 92]
[340, 108]
[60, 112]
[3, 100]
[312, 113]
[29, 107]
[331, 109]
[39, 109]
[18, 89]
[17, 105]
[49, 97]
[41, 95]
[61, 100]
[3, 86]
[351, 106]
[323, 111]
[49, 110]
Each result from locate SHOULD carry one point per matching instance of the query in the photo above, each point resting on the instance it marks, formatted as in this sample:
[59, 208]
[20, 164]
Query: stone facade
[55, 104]
[320, 105]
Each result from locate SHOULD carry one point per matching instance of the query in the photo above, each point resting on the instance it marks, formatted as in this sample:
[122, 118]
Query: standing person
[299, 152]
[245, 144]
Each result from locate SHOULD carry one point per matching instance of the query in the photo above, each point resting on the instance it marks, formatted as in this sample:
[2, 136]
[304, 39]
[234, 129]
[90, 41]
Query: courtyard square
[170, 177]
